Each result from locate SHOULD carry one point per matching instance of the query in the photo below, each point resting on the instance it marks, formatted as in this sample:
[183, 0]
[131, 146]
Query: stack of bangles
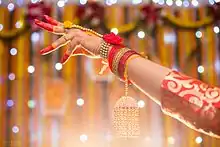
[118, 57]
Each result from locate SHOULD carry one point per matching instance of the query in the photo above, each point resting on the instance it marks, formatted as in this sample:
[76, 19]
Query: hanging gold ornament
[126, 115]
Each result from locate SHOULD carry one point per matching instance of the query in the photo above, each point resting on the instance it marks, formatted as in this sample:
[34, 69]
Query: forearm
[147, 76]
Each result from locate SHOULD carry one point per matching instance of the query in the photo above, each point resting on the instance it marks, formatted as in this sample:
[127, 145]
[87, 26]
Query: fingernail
[46, 16]
[36, 21]
[46, 50]
[51, 20]
[65, 58]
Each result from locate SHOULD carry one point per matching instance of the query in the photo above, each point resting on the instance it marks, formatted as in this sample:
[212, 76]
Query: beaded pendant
[126, 117]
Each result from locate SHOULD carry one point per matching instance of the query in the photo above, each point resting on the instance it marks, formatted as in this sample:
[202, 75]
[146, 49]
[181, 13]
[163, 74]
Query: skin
[81, 43]
[147, 76]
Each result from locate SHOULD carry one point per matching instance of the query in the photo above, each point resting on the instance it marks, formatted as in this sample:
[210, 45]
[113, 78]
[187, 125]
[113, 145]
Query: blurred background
[45, 104]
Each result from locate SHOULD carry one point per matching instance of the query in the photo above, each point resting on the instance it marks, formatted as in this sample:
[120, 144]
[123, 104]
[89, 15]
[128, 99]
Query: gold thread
[126, 71]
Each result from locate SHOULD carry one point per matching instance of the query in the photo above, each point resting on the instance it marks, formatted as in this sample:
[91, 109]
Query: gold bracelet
[116, 60]
[104, 50]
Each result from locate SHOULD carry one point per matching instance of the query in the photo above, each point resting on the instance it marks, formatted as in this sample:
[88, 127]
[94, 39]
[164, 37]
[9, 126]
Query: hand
[78, 42]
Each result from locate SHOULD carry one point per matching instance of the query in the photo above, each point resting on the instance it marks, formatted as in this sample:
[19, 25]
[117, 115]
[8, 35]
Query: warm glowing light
[114, 30]
[31, 104]
[61, 3]
[15, 129]
[216, 29]
[201, 69]
[80, 102]
[83, 2]
[179, 3]
[58, 66]
[135, 2]
[198, 34]
[155, 1]
[13, 51]
[141, 104]
[31, 69]
[171, 140]
[18, 24]
[11, 76]
[111, 2]
[198, 140]
[83, 138]
[11, 6]
[169, 2]
[141, 34]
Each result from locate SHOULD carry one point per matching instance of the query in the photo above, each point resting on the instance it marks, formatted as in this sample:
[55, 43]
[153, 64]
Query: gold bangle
[116, 60]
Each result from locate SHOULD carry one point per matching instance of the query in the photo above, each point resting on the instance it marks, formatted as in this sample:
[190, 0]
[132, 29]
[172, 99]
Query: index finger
[49, 27]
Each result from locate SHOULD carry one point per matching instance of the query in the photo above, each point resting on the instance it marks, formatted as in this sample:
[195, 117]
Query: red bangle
[122, 62]
[113, 51]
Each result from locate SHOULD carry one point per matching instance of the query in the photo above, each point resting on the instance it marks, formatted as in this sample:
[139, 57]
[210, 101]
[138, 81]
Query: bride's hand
[78, 42]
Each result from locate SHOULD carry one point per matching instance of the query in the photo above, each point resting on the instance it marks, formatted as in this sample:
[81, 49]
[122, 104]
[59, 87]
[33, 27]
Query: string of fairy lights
[168, 38]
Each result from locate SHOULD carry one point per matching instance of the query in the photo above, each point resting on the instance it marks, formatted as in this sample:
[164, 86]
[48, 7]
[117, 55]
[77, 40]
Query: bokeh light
[161, 2]
[80, 102]
[11, 7]
[11, 76]
[198, 34]
[18, 24]
[35, 37]
[179, 3]
[15, 129]
[83, 138]
[195, 3]
[171, 140]
[141, 104]
[83, 2]
[201, 69]
[141, 34]
[135, 2]
[114, 30]
[13, 51]
[186, 3]
[61, 3]
[31, 69]
[31, 104]
[216, 29]
[198, 140]
[211, 2]
[169, 2]
[1, 27]
[10, 103]
[58, 66]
